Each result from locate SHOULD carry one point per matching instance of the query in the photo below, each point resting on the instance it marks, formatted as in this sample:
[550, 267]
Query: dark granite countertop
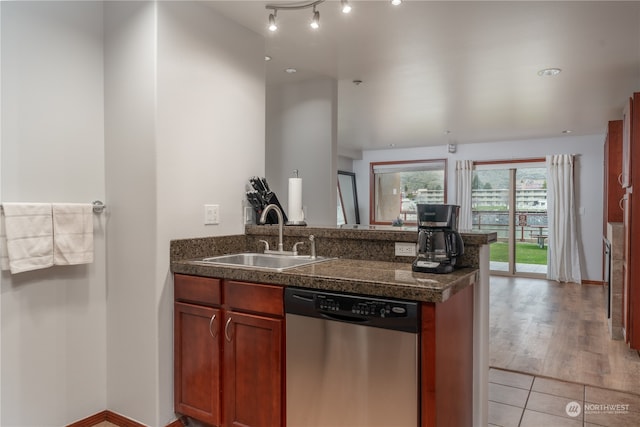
[364, 261]
[373, 232]
[376, 278]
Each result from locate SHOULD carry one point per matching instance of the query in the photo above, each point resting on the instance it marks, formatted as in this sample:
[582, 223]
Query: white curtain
[563, 258]
[464, 178]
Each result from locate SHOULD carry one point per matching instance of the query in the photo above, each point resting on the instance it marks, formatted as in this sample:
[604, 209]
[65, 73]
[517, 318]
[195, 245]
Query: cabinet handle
[213, 319]
[226, 329]
[620, 179]
[620, 204]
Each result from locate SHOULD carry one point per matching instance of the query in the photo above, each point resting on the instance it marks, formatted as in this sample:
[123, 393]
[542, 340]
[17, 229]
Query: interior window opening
[398, 187]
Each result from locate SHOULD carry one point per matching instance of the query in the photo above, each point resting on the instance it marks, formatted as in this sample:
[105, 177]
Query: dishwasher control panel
[360, 306]
[361, 309]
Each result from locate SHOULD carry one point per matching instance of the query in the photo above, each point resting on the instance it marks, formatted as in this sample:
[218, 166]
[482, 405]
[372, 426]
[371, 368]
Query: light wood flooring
[558, 330]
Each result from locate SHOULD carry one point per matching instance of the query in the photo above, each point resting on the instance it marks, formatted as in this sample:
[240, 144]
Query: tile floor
[522, 400]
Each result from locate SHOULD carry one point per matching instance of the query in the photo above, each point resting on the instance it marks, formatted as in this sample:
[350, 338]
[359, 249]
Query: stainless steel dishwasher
[351, 360]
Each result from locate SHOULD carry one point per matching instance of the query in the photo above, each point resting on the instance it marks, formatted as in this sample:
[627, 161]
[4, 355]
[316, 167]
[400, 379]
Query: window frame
[372, 189]
[354, 194]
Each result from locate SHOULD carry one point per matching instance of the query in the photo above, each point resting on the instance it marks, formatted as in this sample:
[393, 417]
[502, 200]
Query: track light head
[272, 21]
[315, 21]
[346, 7]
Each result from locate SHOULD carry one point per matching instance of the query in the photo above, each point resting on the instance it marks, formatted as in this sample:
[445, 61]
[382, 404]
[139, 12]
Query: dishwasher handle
[343, 318]
[304, 298]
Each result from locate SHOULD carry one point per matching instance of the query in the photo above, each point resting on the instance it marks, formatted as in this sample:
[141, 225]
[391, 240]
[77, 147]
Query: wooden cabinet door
[253, 360]
[197, 362]
[632, 230]
[613, 174]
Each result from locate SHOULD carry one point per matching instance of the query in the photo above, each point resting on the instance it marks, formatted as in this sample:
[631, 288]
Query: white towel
[72, 233]
[29, 231]
[4, 254]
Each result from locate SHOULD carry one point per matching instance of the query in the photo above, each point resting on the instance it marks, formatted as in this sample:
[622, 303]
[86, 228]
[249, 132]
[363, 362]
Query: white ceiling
[469, 68]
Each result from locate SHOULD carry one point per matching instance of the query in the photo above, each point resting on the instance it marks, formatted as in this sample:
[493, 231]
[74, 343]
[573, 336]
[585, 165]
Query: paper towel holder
[294, 222]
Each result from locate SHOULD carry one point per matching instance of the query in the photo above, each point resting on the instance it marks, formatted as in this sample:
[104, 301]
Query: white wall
[589, 181]
[130, 158]
[345, 164]
[185, 127]
[210, 140]
[302, 134]
[144, 105]
[1, 278]
[53, 321]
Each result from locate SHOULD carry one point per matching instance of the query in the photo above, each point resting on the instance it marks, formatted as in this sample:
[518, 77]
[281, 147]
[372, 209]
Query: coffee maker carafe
[439, 243]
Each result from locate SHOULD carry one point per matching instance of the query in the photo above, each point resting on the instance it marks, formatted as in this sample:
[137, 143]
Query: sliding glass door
[511, 199]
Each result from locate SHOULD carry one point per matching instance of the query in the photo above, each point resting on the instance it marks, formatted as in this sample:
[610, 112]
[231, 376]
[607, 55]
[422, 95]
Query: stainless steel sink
[273, 262]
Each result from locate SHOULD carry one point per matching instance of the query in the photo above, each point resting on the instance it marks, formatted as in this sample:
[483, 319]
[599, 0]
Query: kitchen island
[364, 264]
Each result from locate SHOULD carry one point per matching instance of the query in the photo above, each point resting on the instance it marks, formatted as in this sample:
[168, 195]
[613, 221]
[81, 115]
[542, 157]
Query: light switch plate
[249, 215]
[211, 214]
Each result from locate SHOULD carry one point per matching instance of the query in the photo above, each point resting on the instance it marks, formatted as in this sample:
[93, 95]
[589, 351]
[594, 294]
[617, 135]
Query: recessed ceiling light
[549, 72]
[267, 58]
[567, 131]
[290, 70]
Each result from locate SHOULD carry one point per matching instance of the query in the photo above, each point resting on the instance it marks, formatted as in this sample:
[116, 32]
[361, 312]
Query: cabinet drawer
[201, 290]
[254, 297]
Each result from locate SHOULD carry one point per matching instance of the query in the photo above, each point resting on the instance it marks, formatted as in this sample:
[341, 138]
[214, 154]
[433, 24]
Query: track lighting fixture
[315, 21]
[272, 21]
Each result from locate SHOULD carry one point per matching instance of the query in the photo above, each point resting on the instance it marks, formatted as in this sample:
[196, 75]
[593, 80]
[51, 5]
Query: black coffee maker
[439, 243]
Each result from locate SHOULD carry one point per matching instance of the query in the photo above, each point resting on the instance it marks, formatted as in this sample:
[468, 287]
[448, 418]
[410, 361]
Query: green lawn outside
[526, 253]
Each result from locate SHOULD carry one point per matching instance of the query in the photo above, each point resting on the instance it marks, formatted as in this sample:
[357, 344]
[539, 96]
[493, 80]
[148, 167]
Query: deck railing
[530, 225]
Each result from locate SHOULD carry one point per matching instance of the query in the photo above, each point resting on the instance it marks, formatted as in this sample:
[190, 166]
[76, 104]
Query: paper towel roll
[295, 200]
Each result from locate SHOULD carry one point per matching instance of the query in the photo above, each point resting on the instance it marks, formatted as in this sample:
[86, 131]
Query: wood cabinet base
[447, 361]
[229, 355]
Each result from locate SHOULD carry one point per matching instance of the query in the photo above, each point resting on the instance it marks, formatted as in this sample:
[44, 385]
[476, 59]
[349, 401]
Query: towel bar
[98, 207]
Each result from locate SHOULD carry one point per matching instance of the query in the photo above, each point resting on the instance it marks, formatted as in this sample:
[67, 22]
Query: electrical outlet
[405, 249]
[211, 214]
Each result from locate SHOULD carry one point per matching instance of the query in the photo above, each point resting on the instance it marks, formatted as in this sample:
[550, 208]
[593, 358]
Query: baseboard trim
[91, 421]
[593, 282]
[117, 419]
[122, 421]
[180, 422]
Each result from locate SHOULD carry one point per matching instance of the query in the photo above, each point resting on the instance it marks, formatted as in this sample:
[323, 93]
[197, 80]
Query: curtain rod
[498, 162]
